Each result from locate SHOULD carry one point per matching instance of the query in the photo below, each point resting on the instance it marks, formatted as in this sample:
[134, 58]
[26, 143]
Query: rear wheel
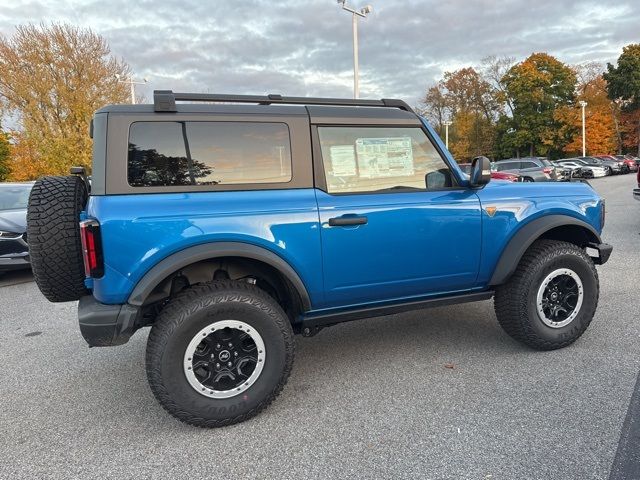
[551, 298]
[53, 233]
[527, 179]
[219, 353]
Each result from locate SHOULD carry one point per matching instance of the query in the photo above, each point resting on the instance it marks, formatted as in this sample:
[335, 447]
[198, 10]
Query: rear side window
[507, 166]
[208, 153]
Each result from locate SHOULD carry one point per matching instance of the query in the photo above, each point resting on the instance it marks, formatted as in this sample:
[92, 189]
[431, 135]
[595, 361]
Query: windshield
[547, 163]
[14, 197]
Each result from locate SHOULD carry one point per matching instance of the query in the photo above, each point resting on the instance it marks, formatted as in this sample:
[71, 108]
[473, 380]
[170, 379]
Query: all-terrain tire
[53, 233]
[181, 321]
[515, 302]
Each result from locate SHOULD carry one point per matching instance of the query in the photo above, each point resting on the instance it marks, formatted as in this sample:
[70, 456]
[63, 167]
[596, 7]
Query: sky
[303, 48]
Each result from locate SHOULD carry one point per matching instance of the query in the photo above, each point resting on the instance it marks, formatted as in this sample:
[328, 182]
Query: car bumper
[14, 261]
[104, 325]
[604, 252]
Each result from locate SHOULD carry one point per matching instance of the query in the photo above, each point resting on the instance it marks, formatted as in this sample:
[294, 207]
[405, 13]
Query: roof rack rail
[165, 100]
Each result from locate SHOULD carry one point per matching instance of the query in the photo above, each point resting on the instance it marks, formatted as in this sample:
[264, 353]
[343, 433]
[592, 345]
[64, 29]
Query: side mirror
[438, 179]
[480, 172]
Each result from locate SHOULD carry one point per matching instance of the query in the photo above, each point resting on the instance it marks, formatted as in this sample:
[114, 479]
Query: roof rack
[165, 100]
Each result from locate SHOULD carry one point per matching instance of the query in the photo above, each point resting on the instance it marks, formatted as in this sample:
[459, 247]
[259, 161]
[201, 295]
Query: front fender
[526, 235]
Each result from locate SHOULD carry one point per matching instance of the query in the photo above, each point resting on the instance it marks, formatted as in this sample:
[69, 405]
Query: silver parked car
[531, 169]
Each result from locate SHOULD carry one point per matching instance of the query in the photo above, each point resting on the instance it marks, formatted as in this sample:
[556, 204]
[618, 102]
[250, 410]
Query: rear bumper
[104, 325]
[604, 252]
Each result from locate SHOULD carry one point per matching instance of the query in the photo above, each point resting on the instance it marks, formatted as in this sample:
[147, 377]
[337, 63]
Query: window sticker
[384, 157]
[343, 161]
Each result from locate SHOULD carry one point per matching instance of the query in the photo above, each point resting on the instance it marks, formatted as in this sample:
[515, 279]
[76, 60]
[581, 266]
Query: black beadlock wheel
[53, 233]
[550, 300]
[219, 353]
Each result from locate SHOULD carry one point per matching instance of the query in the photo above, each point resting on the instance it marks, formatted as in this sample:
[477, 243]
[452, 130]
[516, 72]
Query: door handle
[346, 221]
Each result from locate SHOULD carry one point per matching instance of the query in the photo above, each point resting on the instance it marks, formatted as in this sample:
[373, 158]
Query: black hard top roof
[320, 108]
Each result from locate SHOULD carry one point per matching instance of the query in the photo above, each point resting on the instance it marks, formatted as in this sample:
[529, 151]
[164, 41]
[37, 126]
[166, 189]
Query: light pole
[363, 12]
[130, 80]
[446, 124]
[583, 104]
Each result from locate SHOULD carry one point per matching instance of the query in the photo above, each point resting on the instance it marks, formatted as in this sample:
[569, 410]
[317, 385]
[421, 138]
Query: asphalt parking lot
[368, 399]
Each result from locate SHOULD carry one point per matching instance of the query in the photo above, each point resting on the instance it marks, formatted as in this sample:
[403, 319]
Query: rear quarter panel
[138, 231]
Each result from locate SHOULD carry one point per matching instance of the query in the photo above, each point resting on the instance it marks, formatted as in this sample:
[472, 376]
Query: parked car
[14, 252]
[611, 166]
[531, 169]
[582, 169]
[563, 173]
[629, 161]
[611, 160]
[636, 191]
[510, 177]
[227, 228]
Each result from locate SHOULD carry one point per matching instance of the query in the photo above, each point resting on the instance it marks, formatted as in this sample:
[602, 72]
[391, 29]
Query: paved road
[369, 399]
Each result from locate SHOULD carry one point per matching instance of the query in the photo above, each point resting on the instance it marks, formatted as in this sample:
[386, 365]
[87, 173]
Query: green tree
[52, 79]
[623, 87]
[470, 102]
[537, 87]
[5, 152]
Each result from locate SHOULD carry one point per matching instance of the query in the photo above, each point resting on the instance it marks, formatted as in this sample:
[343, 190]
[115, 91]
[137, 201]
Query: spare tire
[53, 233]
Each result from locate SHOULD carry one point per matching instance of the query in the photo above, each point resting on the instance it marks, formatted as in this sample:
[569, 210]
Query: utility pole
[446, 124]
[362, 12]
[132, 83]
[583, 104]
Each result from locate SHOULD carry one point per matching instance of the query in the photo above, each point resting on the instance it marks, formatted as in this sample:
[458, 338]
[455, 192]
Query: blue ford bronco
[229, 223]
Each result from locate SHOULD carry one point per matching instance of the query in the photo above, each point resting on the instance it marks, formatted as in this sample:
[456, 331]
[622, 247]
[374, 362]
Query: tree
[623, 86]
[537, 87]
[52, 79]
[467, 99]
[600, 123]
[5, 149]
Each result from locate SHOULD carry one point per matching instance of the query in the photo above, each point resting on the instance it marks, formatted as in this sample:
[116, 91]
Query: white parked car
[583, 169]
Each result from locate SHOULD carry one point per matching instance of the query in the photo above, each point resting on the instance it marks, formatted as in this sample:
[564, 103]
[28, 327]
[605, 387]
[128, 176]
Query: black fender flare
[213, 250]
[528, 234]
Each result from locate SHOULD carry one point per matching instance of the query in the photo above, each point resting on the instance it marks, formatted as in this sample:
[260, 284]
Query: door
[385, 236]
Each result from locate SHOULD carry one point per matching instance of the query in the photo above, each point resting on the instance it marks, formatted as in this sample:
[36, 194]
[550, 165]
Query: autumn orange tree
[623, 86]
[52, 79]
[599, 120]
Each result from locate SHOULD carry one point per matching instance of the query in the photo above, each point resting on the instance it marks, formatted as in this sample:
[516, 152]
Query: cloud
[305, 48]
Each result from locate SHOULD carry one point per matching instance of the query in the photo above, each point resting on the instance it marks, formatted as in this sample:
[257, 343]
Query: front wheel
[219, 353]
[551, 298]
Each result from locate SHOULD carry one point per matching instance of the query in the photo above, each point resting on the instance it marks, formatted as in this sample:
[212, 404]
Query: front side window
[208, 153]
[373, 159]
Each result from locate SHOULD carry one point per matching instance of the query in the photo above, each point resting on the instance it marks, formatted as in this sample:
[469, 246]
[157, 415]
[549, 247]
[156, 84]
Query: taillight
[91, 248]
[603, 214]
[547, 170]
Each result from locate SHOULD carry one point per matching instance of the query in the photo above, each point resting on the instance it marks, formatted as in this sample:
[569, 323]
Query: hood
[13, 221]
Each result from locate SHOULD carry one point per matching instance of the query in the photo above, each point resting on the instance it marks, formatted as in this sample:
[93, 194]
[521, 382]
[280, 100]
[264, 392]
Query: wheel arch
[553, 227]
[212, 251]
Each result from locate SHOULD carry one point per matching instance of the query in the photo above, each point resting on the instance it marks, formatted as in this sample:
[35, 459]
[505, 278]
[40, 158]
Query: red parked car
[628, 160]
[624, 167]
[510, 177]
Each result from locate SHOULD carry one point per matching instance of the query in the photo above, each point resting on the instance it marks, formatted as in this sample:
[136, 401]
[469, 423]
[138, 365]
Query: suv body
[531, 169]
[14, 251]
[293, 215]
